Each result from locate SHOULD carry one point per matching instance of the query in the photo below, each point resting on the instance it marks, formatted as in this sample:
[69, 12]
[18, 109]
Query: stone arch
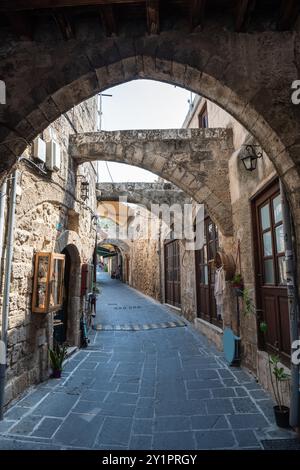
[69, 238]
[237, 72]
[121, 244]
[143, 194]
[124, 250]
[194, 160]
[187, 61]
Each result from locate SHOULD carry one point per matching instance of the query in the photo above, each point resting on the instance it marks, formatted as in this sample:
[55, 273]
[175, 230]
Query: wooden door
[205, 274]
[271, 270]
[60, 317]
[127, 269]
[172, 273]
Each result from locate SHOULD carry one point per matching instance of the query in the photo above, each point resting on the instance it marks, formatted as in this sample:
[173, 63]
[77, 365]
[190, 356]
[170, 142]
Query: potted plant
[282, 413]
[237, 284]
[278, 376]
[57, 356]
[263, 326]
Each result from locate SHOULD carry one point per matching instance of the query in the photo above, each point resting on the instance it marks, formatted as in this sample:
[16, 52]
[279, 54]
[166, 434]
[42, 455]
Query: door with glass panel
[271, 270]
[172, 273]
[205, 274]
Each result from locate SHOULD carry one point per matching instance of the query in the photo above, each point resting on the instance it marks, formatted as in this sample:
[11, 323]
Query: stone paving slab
[160, 388]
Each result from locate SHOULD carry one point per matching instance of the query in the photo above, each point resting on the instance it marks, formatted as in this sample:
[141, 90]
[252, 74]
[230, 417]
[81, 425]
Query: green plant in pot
[278, 377]
[57, 356]
[237, 284]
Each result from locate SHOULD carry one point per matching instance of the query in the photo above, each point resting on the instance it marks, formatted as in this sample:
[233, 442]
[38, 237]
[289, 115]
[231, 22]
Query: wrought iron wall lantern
[250, 156]
[84, 188]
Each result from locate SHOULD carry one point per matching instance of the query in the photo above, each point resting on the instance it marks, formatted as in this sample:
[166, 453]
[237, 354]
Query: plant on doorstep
[57, 356]
[282, 412]
[278, 376]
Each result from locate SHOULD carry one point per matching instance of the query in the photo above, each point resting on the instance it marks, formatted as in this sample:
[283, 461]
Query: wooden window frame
[266, 194]
[203, 113]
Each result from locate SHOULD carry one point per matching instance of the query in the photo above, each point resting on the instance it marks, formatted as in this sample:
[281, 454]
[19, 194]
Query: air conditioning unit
[39, 149]
[53, 156]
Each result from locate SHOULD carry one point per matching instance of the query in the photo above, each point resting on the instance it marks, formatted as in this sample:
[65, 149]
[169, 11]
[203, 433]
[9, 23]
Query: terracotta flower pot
[282, 416]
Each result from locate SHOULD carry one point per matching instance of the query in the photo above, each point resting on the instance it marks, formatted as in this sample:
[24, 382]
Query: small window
[203, 118]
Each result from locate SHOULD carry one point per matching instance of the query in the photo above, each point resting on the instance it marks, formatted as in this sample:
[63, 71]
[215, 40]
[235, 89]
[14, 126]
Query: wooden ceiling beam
[242, 13]
[108, 20]
[152, 7]
[21, 25]
[18, 5]
[196, 13]
[64, 25]
[289, 12]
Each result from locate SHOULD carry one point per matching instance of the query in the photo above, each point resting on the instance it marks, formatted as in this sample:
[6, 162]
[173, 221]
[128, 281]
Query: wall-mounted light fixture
[84, 190]
[250, 156]
[84, 187]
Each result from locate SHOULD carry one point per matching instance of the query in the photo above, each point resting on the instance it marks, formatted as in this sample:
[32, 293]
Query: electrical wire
[33, 165]
[109, 172]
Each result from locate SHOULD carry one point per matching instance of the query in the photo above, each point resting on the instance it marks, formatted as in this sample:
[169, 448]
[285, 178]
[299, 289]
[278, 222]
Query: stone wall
[145, 272]
[50, 216]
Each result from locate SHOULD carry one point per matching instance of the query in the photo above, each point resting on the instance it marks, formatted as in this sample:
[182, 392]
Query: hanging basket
[228, 263]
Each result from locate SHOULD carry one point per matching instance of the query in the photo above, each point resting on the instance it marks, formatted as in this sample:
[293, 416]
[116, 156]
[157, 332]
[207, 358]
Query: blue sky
[141, 104]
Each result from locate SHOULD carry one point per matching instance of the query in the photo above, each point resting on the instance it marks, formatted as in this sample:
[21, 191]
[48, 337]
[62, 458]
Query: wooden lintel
[242, 13]
[108, 20]
[289, 12]
[152, 7]
[22, 25]
[18, 5]
[196, 13]
[64, 24]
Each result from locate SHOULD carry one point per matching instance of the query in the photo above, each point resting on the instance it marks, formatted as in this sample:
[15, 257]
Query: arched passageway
[221, 70]
[114, 254]
[196, 161]
[238, 74]
[142, 193]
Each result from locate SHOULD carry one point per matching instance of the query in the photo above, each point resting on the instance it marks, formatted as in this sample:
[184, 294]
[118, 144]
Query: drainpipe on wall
[2, 209]
[6, 289]
[293, 306]
[160, 260]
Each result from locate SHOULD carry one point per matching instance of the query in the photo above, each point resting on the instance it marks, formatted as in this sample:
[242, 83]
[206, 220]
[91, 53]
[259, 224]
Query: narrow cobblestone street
[159, 385]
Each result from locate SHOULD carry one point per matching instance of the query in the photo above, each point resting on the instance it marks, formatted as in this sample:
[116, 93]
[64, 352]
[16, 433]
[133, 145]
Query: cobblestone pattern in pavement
[156, 389]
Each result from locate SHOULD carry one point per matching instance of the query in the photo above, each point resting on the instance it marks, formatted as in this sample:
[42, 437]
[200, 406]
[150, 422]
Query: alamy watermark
[295, 97]
[181, 222]
[2, 92]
